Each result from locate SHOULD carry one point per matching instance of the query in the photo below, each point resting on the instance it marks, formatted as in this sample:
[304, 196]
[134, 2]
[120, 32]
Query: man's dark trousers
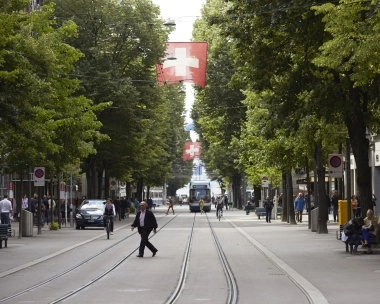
[145, 241]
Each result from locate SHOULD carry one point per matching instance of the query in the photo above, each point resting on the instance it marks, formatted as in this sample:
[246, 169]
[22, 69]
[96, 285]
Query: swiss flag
[191, 150]
[188, 63]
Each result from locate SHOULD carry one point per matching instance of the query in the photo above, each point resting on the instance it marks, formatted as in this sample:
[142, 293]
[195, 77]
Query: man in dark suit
[145, 222]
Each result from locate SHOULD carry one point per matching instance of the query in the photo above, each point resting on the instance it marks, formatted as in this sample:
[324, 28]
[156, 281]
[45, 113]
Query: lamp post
[348, 176]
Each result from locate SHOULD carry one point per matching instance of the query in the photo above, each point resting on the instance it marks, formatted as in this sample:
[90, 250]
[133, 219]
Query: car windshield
[87, 204]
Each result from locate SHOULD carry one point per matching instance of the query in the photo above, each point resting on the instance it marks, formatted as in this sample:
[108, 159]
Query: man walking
[268, 205]
[334, 204]
[145, 222]
[299, 204]
[5, 210]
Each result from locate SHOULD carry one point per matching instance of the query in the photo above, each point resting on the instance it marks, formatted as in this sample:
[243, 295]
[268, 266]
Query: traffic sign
[264, 182]
[335, 165]
[39, 176]
[113, 183]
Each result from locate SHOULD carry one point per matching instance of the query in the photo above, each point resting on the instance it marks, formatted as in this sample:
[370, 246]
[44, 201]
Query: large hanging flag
[186, 61]
[191, 150]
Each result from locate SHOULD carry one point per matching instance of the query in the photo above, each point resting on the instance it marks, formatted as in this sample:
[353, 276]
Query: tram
[198, 190]
[157, 195]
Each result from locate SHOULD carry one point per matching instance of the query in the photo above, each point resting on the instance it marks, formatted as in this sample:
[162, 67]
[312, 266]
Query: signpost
[335, 165]
[39, 176]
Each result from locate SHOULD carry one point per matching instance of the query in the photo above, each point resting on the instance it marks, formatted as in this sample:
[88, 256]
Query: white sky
[184, 13]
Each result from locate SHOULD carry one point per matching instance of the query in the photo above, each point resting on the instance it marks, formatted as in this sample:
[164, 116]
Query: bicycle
[108, 225]
[220, 214]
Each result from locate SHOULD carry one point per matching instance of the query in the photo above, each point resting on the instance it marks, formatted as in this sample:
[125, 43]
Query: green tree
[122, 41]
[43, 120]
[218, 112]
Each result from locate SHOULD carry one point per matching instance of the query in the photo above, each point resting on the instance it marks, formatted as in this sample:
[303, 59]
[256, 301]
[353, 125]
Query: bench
[260, 211]
[249, 207]
[350, 245]
[3, 235]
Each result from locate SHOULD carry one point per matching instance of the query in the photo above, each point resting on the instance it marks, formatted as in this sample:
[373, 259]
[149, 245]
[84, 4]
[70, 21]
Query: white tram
[198, 190]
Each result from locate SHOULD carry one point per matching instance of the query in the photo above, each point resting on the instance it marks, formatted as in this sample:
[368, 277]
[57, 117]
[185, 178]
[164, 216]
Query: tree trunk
[140, 187]
[100, 184]
[284, 215]
[237, 198]
[322, 207]
[107, 192]
[90, 176]
[356, 125]
[289, 196]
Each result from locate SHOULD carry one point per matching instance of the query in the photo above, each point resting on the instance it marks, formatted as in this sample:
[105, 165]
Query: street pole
[71, 199]
[348, 177]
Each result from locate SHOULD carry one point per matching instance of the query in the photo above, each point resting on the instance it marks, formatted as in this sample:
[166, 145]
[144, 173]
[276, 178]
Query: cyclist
[219, 205]
[109, 210]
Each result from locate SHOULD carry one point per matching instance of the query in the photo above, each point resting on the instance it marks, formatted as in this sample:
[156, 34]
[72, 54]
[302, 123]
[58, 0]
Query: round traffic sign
[113, 182]
[39, 173]
[335, 161]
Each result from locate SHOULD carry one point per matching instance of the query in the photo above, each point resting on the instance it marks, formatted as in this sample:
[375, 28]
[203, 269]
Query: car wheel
[77, 227]
[83, 227]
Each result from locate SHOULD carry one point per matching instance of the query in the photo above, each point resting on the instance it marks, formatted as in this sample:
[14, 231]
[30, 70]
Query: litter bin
[342, 212]
[27, 223]
[314, 219]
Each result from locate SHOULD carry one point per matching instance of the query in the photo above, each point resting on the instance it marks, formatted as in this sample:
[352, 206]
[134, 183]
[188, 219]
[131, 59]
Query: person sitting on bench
[352, 232]
[369, 230]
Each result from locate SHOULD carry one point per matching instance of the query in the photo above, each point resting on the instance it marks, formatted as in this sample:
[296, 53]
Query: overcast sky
[184, 13]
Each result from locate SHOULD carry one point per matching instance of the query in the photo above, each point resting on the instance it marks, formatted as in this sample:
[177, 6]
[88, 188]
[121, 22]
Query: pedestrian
[145, 222]
[117, 205]
[137, 205]
[328, 207]
[34, 204]
[180, 200]
[127, 207]
[201, 205]
[24, 202]
[170, 205]
[299, 205]
[354, 205]
[123, 204]
[150, 203]
[109, 210]
[45, 208]
[335, 204]
[6, 210]
[268, 205]
[225, 199]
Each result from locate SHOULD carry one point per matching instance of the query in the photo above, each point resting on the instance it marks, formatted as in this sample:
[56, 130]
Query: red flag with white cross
[185, 61]
[191, 150]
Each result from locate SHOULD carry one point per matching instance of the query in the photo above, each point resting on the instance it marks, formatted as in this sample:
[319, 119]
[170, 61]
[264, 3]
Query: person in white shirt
[5, 210]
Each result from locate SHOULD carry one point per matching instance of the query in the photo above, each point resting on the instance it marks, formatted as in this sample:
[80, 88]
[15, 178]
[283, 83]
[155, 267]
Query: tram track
[232, 296]
[77, 266]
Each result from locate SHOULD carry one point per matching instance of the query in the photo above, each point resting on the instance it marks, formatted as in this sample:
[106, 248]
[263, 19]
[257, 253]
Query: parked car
[90, 213]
